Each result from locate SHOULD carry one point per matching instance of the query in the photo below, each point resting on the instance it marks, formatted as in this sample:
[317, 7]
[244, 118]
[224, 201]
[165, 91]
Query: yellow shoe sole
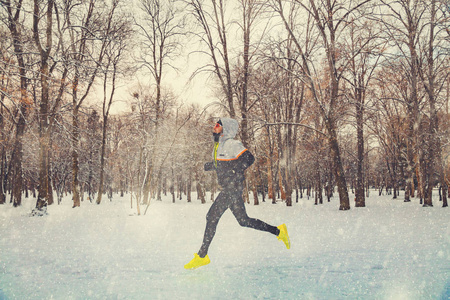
[284, 236]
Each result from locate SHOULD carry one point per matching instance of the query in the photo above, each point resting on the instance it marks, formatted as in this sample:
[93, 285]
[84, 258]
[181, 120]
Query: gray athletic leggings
[232, 199]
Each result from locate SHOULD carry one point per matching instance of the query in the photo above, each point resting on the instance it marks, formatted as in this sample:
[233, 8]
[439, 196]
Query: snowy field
[388, 250]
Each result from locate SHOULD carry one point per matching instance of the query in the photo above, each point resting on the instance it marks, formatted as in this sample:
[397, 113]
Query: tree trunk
[17, 155]
[419, 176]
[200, 193]
[188, 187]
[270, 179]
[318, 197]
[359, 195]
[338, 169]
[3, 153]
[16, 163]
[147, 180]
[75, 146]
[254, 181]
[44, 126]
[280, 183]
[2, 169]
[44, 140]
[49, 172]
[172, 184]
[159, 188]
[179, 187]
[434, 142]
[263, 187]
[102, 161]
[288, 174]
[43, 195]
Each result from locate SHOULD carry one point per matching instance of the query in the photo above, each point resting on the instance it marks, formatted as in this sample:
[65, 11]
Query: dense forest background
[334, 97]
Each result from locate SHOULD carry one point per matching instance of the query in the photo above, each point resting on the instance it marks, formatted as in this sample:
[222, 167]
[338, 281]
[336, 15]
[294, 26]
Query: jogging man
[230, 160]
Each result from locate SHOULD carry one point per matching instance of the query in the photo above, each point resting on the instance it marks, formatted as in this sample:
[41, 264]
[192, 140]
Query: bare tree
[48, 104]
[250, 11]
[117, 33]
[214, 34]
[363, 52]
[433, 75]
[84, 49]
[14, 12]
[7, 86]
[330, 18]
[403, 25]
[160, 28]
[44, 106]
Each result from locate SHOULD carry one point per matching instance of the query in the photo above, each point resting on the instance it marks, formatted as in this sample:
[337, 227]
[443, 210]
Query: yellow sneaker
[284, 236]
[197, 262]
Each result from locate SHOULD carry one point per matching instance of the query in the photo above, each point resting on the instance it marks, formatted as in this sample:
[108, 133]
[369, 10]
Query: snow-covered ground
[388, 250]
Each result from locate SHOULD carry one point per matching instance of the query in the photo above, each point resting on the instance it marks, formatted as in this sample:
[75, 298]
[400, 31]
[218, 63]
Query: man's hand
[209, 166]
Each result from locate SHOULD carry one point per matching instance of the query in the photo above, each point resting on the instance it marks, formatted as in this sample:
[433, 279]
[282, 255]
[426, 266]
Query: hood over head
[230, 128]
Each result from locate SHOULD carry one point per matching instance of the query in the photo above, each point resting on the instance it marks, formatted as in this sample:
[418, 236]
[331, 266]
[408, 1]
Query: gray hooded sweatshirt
[229, 148]
[232, 157]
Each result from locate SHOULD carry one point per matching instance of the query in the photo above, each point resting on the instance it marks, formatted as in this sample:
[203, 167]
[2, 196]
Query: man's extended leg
[238, 209]
[216, 211]
[239, 212]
